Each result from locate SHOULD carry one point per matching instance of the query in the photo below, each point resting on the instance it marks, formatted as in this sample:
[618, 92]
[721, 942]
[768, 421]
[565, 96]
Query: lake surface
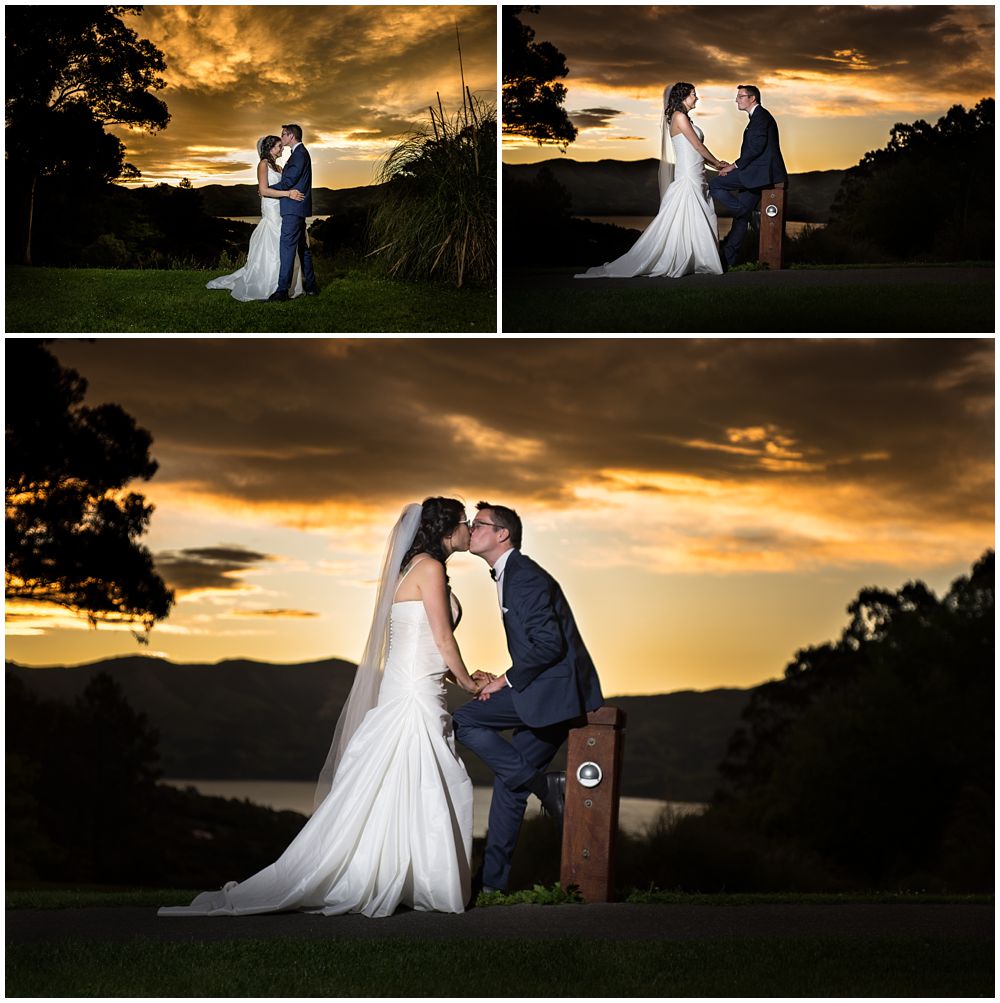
[635, 814]
[725, 225]
[256, 219]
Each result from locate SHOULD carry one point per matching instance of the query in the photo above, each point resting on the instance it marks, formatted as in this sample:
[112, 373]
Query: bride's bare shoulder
[679, 122]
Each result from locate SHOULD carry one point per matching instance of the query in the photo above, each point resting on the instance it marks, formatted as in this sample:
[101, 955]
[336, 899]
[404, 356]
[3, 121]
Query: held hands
[493, 686]
[728, 169]
[296, 195]
[476, 682]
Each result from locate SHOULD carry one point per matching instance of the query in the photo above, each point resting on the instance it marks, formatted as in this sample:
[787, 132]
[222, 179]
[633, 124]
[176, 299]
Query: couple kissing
[392, 824]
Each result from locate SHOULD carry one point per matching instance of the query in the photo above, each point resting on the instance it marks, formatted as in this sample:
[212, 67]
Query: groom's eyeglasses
[473, 526]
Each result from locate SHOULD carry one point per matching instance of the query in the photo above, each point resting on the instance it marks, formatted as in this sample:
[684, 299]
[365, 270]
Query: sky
[836, 77]
[354, 77]
[709, 506]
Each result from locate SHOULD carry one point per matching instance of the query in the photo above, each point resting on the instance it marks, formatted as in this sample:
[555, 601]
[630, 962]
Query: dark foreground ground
[947, 299]
[526, 951]
[613, 921]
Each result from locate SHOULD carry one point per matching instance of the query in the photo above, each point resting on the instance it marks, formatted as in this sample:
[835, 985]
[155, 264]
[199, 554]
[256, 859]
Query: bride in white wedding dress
[393, 819]
[258, 278]
[683, 236]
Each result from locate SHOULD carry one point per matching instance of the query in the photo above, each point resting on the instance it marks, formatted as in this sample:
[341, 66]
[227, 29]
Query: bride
[393, 819]
[258, 278]
[683, 236]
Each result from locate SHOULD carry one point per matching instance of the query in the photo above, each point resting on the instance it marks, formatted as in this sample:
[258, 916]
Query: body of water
[256, 219]
[792, 229]
[297, 795]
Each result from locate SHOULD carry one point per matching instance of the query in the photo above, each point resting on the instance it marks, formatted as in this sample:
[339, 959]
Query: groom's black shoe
[554, 798]
[313, 291]
[278, 297]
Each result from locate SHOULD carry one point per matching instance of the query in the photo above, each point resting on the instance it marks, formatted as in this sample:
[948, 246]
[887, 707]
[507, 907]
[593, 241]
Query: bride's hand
[296, 195]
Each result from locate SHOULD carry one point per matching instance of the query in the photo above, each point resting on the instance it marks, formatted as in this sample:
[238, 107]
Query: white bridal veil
[667, 157]
[368, 679]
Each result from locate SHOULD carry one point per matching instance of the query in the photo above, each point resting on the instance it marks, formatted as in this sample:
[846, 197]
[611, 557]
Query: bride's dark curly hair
[676, 97]
[266, 145]
[438, 518]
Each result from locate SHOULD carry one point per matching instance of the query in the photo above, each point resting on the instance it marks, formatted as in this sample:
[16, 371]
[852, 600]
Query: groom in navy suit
[737, 187]
[297, 174]
[551, 682]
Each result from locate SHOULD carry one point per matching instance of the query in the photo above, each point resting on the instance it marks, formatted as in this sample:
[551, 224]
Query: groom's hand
[494, 686]
[482, 677]
[728, 169]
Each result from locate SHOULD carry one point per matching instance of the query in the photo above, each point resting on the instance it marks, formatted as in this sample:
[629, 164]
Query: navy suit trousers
[730, 192]
[293, 241]
[515, 764]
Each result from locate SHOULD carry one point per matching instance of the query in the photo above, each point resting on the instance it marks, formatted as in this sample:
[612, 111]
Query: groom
[297, 173]
[737, 187]
[550, 683]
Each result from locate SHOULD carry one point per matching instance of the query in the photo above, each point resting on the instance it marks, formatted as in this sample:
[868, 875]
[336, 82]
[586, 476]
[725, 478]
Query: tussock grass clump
[438, 219]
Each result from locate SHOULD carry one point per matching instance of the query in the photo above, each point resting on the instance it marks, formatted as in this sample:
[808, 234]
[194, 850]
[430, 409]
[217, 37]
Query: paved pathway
[616, 921]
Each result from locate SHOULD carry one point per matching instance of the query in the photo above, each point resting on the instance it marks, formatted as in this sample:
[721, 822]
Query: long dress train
[683, 236]
[396, 827]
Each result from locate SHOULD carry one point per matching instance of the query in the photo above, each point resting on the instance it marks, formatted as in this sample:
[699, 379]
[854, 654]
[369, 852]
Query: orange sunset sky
[354, 77]
[709, 506]
[836, 77]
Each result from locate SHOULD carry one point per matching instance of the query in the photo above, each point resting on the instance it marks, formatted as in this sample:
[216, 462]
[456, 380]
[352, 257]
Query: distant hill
[243, 200]
[630, 187]
[242, 719]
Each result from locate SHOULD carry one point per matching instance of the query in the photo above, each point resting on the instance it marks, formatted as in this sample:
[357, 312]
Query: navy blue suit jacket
[552, 675]
[297, 173]
[760, 162]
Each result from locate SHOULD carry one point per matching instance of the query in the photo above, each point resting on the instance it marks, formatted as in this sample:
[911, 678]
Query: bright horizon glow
[836, 78]
[709, 507]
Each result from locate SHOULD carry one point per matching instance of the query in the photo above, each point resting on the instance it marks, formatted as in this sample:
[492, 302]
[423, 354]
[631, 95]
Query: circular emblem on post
[771, 210]
[589, 774]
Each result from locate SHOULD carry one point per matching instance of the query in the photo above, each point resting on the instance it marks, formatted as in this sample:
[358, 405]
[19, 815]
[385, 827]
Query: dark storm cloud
[926, 48]
[594, 118]
[306, 422]
[196, 569]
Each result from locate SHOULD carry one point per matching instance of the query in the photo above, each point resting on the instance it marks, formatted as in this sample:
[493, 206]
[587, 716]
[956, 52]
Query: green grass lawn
[765, 966]
[532, 305]
[70, 300]
[89, 897]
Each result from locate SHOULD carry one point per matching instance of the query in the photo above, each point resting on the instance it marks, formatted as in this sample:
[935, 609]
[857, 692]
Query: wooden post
[593, 785]
[772, 225]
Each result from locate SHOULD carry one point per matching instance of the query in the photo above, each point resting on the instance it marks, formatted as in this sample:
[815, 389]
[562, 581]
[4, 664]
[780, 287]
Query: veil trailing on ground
[667, 157]
[368, 678]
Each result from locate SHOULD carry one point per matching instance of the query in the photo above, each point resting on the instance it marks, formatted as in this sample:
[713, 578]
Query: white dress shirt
[498, 571]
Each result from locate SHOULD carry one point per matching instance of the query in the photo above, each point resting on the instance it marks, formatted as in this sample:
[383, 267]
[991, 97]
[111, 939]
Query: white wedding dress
[683, 236]
[258, 278]
[396, 827]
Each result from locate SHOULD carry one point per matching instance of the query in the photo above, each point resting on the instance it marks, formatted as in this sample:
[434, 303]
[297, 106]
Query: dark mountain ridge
[631, 188]
[241, 719]
[243, 200]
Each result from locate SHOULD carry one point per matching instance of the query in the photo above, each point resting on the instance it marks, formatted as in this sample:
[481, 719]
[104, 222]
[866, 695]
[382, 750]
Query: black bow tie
[493, 574]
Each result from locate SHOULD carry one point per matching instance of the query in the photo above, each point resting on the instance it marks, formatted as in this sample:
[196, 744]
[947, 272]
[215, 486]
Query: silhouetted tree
[928, 192]
[71, 71]
[875, 751]
[72, 526]
[532, 96]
